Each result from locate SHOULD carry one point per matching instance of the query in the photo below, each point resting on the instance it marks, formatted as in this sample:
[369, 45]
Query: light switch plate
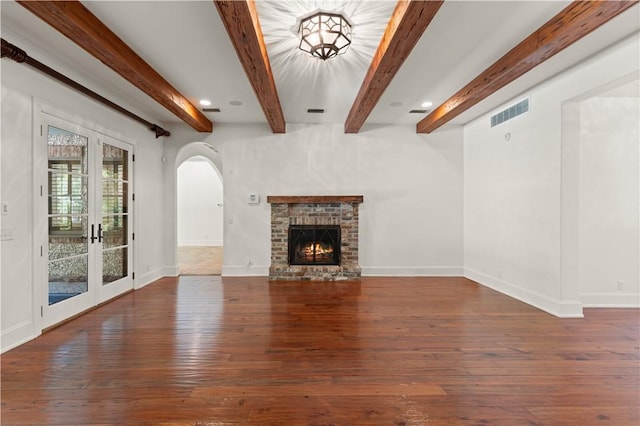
[6, 234]
[253, 199]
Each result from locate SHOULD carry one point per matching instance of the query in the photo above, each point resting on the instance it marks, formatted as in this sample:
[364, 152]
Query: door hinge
[134, 196]
[41, 311]
[133, 275]
[41, 130]
[41, 252]
[133, 236]
[133, 157]
[41, 190]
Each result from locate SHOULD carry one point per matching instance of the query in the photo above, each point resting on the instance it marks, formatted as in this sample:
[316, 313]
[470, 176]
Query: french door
[87, 198]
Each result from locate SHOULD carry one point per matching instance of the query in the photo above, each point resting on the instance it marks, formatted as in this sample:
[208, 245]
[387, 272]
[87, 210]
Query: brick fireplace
[314, 215]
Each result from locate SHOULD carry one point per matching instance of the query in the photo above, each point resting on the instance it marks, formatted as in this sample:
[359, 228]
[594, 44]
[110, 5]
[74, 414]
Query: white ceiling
[186, 42]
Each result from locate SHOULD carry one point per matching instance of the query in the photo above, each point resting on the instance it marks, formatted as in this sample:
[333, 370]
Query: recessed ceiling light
[235, 103]
[205, 102]
[426, 104]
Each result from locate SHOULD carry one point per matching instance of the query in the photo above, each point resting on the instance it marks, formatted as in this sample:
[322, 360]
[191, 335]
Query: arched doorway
[199, 211]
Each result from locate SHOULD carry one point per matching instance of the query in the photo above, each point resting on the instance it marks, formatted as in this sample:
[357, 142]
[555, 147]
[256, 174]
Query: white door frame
[45, 114]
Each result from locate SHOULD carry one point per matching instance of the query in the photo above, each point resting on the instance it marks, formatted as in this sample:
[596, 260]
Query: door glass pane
[114, 196]
[64, 145]
[67, 278]
[114, 264]
[114, 163]
[67, 243]
[68, 193]
[114, 231]
[115, 218]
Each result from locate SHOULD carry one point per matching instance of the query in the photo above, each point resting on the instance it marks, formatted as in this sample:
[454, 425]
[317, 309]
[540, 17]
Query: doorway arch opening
[199, 210]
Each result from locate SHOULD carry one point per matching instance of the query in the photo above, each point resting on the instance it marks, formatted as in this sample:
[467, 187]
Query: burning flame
[318, 248]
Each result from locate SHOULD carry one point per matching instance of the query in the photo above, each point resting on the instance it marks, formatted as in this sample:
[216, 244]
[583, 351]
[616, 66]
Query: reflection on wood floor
[386, 351]
[200, 260]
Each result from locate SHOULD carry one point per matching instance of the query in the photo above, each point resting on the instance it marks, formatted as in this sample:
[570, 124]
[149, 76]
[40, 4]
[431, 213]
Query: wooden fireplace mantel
[314, 199]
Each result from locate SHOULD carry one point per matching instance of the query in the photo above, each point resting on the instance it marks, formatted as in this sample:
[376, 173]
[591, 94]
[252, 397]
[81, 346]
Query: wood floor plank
[204, 350]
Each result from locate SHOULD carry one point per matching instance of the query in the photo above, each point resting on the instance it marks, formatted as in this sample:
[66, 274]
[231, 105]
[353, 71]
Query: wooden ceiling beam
[570, 25]
[82, 27]
[409, 20]
[240, 18]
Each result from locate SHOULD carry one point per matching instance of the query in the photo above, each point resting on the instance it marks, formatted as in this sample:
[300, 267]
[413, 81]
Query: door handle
[99, 232]
[93, 237]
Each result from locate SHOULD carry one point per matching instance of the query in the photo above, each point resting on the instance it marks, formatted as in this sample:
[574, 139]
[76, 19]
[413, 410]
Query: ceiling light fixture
[427, 104]
[324, 35]
[205, 102]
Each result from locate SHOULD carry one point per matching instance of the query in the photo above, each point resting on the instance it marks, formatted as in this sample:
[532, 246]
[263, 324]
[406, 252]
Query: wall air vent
[418, 111]
[511, 112]
[211, 109]
[315, 110]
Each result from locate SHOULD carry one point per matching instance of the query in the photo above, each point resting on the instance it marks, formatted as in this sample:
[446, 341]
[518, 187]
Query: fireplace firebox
[314, 245]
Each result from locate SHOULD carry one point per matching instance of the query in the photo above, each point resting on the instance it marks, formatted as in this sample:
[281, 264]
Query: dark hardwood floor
[386, 351]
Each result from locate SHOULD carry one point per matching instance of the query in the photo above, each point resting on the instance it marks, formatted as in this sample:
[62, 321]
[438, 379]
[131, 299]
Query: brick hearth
[339, 210]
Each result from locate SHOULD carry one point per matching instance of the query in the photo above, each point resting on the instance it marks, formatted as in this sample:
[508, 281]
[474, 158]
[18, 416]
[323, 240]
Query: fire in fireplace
[314, 245]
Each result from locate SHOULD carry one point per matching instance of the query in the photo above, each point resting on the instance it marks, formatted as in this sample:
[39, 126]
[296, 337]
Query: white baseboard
[559, 308]
[245, 271]
[170, 271]
[412, 271]
[17, 335]
[375, 271]
[201, 243]
[148, 278]
[611, 300]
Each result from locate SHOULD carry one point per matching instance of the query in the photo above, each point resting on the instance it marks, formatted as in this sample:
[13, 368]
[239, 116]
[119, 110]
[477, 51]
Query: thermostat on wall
[254, 199]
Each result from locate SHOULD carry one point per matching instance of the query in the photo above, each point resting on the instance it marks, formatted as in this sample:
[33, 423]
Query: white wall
[199, 204]
[609, 233]
[16, 285]
[20, 294]
[411, 218]
[513, 190]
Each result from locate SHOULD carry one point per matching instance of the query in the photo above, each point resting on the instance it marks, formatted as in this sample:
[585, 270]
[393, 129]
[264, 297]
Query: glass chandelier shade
[324, 35]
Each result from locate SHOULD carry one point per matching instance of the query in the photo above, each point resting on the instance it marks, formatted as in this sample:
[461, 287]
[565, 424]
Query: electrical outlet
[620, 285]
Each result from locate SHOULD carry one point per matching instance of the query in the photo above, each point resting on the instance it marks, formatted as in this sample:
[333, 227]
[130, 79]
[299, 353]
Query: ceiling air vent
[418, 111]
[315, 110]
[511, 112]
[211, 109]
